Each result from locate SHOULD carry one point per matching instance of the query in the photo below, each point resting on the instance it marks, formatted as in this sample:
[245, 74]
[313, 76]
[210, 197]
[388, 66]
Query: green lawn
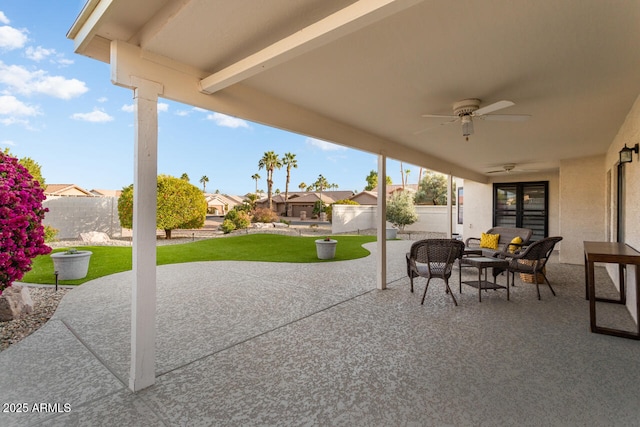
[254, 247]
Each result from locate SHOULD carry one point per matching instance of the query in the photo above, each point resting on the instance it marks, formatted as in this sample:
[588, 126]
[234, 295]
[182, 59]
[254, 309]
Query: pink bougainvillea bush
[21, 214]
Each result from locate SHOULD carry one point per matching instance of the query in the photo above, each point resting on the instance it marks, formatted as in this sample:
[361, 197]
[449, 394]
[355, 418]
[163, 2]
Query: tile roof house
[303, 201]
[68, 190]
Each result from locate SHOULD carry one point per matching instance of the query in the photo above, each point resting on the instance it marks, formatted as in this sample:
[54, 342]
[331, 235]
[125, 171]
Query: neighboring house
[366, 198]
[68, 190]
[393, 189]
[106, 193]
[220, 204]
[303, 201]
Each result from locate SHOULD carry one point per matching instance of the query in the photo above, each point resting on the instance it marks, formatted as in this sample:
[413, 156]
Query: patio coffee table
[482, 263]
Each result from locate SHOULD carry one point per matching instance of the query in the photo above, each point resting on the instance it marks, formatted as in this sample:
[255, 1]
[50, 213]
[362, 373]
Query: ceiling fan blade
[506, 117]
[438, 125]
[440, 116]
[493, 107]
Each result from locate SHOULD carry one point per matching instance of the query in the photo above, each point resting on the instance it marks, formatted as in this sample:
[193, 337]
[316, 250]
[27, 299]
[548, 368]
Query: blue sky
[61, 110]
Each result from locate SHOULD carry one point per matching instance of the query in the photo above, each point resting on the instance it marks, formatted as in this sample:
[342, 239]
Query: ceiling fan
[510, 167]
[468, 109]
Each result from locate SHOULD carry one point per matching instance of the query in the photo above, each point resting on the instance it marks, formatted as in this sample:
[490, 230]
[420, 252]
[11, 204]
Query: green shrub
[227, 226]
[401, 211]
[264, 215]
[50, 233]
[239, 218]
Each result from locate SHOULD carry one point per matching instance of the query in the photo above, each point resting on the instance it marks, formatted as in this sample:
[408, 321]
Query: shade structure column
[382, 223]
[449, 206]
[143, 293]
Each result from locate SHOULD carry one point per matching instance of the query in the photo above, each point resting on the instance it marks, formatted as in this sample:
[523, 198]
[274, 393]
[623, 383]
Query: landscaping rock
[94, 237]
[280, 225]
[15, 302]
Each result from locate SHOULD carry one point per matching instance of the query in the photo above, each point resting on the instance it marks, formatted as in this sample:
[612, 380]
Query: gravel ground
[45, 302]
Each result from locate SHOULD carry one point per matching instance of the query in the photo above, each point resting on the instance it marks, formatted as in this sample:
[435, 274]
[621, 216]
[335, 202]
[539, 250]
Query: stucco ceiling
[573, 65]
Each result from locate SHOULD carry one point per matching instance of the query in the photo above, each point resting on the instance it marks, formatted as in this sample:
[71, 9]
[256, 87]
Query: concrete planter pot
[71, 266]
[392, 233]
[326, 249]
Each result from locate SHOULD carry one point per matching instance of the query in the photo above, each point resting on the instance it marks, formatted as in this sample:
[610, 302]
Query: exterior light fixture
[626, 154]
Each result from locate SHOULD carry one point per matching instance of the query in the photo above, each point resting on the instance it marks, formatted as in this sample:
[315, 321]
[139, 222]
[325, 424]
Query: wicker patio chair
[433, 258]
[531, 260]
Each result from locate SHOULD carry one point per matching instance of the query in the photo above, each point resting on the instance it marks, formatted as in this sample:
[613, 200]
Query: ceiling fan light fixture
[467, 126]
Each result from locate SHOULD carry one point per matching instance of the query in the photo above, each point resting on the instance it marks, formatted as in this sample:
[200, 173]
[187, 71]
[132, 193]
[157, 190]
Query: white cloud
[227, 121]
[7, 142]
[324, 145]
[38, 53]
[12, 106]
[103, 99]
[3, 18]
[12, 38]
[96, 116]
[163, 107]
[182, 113]
[28, 82]
[64, 61]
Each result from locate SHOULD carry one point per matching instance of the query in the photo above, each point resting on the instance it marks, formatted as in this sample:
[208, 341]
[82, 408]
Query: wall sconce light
[626, 154]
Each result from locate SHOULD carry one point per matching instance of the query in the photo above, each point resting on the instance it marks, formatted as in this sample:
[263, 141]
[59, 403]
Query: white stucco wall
[582, 206]
[74, 215]
[628, 133]
[351, 218]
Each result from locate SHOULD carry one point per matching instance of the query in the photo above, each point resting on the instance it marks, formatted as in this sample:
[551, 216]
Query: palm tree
[204, 181]
[269, 161]
[289, 161]
[256, 177]
[184, 176]
[303, 186]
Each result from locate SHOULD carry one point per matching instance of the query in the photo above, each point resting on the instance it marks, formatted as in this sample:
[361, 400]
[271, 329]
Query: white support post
[449, 207]
[382, 223]
[143, 295]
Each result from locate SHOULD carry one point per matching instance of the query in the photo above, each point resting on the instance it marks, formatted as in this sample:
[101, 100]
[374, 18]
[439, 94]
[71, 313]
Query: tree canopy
[400, 210]
[181, 205]
[433, 189]
[372, 180]
[34, 169]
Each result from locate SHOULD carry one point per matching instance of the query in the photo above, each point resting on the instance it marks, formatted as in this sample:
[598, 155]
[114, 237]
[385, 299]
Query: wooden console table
[614, 253]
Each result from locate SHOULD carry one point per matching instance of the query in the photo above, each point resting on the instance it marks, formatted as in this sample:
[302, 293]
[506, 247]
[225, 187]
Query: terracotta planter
[71, 266]
[326, 249]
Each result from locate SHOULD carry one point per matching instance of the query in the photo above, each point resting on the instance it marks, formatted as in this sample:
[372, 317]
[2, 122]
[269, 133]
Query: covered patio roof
[362, 73]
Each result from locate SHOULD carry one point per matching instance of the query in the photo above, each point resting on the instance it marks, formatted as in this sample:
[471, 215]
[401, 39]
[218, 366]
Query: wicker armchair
[531, 260]
[433, 258]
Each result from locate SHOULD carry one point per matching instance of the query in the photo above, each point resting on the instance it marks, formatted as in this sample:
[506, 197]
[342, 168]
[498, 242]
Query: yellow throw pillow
[518, 242]
[489, 241]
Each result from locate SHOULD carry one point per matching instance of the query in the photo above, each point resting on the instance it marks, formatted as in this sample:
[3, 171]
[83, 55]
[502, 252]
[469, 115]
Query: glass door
[522, 204]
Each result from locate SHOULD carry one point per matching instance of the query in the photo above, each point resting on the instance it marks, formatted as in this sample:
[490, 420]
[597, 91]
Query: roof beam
[352, 18]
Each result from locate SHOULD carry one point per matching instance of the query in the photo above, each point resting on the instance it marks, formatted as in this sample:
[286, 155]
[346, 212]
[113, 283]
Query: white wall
[351, 218]
[75, 215]
[582, 206]
[628, 133]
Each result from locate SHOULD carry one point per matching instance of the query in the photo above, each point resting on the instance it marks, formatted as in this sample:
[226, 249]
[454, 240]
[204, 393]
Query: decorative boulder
[15, 302]
[280, 225]
[95, 237]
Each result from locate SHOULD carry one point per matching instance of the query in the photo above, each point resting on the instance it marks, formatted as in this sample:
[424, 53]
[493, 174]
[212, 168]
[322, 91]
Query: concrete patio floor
[244, 343]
